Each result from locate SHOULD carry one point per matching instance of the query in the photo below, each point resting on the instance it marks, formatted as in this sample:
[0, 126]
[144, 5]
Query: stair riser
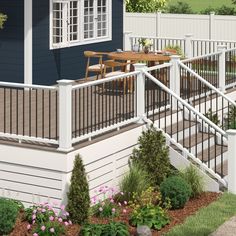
[201, 147]
[165, 122]
[186, 132]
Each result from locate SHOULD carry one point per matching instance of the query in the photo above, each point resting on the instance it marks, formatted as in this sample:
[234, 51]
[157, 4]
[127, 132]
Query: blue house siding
[66, 63]
[12, 42]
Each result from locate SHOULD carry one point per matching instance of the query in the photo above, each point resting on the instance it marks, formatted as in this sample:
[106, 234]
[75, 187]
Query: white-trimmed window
[77, 22]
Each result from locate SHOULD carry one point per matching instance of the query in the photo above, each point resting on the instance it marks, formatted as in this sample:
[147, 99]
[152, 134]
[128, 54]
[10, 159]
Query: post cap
[139, 66]
[188, 35]
[65, 82]
[231, 131]
[221, 47]
[175, 57]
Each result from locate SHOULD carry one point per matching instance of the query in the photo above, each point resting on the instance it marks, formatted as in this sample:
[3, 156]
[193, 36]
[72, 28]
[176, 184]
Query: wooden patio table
[139, 56]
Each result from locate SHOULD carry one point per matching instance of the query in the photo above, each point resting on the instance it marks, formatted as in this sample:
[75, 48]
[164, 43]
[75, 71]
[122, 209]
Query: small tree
[78, 195]
[3, 18]
[145, 5]
[180, 8]
[153, 155]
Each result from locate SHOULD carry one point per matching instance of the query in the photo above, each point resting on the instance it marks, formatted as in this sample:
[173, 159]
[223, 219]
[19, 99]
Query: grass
[208, 219]
[198, 5]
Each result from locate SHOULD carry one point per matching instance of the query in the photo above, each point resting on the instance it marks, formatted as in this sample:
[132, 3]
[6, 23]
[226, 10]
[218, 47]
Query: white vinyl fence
[176, 25]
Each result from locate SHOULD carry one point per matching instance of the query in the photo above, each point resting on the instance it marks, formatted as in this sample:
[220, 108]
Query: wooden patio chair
[96, 68]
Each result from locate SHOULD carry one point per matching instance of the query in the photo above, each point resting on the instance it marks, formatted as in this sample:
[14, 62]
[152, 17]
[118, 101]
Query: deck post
[175, 77]
[188, 45]
[65, 114]
[140, 92]
[222, 48]
[231, 160]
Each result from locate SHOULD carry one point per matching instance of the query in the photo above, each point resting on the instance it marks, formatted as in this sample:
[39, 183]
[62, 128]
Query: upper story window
[77, 22]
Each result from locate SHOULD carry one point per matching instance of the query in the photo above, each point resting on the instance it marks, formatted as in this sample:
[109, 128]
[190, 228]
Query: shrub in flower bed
[78, 195]
[8, 214]
[105, 204]
[44, 220]
[148, 209]
[112, 228]
[177, 190]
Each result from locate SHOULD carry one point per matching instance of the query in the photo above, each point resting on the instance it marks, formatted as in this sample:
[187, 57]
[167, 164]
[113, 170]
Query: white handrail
[105, 80]
[214, 40]
[18, 85]
[207, 83]
[231, 49]
[200, 57]
[219, 130]
[153, 37]
[164, 65]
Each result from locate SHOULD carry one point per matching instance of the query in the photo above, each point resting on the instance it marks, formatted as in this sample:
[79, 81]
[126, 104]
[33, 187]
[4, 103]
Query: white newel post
[175, 77]
[222, 48]
[65, 114]
[158, 24]
[188, 45]
[231, 160]
[140, 91]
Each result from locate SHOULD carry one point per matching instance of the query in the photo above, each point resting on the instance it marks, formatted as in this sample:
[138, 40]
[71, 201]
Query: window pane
[88, 18]
[74, 23]
[57, 23]
[102, 24]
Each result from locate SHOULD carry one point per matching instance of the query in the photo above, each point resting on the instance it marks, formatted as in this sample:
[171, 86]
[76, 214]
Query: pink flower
[33, 222]
[112, 200]
[28, 227]
[124, 211]
[113, 210]
[43, 228]
[33, 217]
[43, 210]
[125, 202]
[62, 207]
[60, 219]
[121, 193]
[35, 234]
[70, 223]
[100, 209]
[51, 218]
[52, 230]
[66, 223]
[55, 203]
[34, 211]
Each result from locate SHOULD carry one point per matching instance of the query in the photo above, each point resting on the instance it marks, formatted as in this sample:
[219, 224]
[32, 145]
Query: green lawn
[208, 219]
[198, 5]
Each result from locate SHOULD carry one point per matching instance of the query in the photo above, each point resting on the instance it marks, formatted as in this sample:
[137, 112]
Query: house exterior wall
[12, 42]
[67, 63]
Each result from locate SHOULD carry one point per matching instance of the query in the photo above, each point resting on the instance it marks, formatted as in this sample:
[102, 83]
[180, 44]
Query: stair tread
[179, 126]
[214, 151]
[225, 168]
[195, 139]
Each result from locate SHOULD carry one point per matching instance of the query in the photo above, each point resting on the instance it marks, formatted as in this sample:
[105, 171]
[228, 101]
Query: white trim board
[28, 41]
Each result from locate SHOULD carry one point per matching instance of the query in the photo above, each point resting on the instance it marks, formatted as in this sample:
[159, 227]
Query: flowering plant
[145, 42]
[45, 220]
[104, 203]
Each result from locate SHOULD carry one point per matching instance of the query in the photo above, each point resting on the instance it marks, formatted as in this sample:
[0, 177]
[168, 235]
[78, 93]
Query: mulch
[177, 217]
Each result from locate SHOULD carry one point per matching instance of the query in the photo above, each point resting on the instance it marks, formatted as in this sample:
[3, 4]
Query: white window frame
[81, 40]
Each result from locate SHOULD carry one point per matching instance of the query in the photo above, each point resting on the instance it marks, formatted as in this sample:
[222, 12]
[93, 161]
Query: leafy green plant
[230, 120]
[144, 5]
[135, 181]
[8, 215]
[152, 155]
[177, 190]
[177, 48]
[194, 179]
[153, 216]
[212, 117]
[3, 19]
[110, 229]
[180, 8]
[78, 195]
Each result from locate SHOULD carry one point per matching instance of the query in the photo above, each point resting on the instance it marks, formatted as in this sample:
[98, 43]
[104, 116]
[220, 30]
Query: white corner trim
[28, 41]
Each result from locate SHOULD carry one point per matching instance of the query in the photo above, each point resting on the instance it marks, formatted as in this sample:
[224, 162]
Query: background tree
[145, 5]
[180, 8]
[3, 18]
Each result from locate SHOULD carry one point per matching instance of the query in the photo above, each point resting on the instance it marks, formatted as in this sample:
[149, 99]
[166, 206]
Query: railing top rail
[207, 83]
[200, 57]
[153, 37]
[218, 129]
[214, 40]
[105, 80]
[18, 85]
[231, 49]
[165, 65]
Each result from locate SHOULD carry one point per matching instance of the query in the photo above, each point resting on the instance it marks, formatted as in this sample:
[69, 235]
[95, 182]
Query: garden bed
[177, 217]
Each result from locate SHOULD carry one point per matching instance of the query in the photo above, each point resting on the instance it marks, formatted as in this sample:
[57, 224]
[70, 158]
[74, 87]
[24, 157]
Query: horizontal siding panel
[99, 171]
[101, 181]
[33, 190]
[31, 171]
[32, 180]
